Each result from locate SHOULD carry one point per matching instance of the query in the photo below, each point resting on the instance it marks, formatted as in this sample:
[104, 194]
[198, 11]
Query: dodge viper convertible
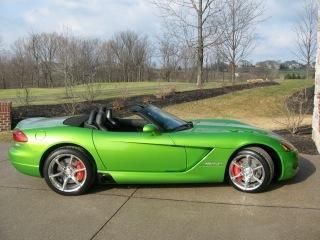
[149, 146]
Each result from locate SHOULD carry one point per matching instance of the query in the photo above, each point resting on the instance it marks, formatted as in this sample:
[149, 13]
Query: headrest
[103, 109]
[101, 118]
[92, 117]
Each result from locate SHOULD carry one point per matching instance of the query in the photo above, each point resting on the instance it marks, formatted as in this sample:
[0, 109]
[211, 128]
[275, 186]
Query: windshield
[166, 120]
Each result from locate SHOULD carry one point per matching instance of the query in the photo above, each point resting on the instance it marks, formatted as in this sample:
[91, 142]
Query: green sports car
[150, 146]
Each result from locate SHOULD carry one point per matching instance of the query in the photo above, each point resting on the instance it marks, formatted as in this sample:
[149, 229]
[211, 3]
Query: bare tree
[142, 57]
[23, 96]
[22, 63]
[193, 21]
[306, 34]
[32, 48]
[48, 47]
[109, 63]
[122, 45]
[217, 62]
[132, 54]
[169, 58]
[63, 59]
[5, 70]
[293, 110]
[51, 59]
[3, 61]
[2, 72]
[43, 48]
[187, 61]
[238, 20]
[85, 65]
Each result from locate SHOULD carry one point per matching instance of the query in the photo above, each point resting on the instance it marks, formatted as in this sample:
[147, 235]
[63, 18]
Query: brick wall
[5, 116]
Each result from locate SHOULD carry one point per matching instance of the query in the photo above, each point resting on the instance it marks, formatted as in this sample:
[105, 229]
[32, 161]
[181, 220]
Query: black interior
[129, 125]
[102, 122]
[91, 122]
[102, 119]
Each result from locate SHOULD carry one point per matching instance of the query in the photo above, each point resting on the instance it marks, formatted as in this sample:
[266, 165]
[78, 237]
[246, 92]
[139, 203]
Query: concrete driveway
[29, 210]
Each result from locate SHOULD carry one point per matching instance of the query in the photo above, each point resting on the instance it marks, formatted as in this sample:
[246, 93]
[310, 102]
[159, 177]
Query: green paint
[197, 155]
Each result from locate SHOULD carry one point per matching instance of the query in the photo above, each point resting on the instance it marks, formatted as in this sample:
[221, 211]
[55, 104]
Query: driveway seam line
[230, 204]
[176, 200]
[24, 188]
[39, 189]
[115, 213]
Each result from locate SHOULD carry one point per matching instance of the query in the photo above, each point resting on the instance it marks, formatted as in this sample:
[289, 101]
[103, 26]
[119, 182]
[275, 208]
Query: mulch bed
[20, 113]
[302, 141]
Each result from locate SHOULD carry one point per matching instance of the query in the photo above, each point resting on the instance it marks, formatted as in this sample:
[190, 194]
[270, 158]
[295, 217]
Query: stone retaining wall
[316, 110]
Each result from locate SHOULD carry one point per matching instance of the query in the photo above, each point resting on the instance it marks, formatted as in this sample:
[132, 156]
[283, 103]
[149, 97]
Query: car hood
[41, 122]
[223, 125]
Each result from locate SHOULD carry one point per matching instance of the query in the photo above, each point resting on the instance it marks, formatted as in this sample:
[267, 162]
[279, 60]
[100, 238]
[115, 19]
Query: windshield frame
[165, 121]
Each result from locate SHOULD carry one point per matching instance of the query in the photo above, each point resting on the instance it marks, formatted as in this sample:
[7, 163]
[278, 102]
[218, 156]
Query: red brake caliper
[236, 171]
[80, 175]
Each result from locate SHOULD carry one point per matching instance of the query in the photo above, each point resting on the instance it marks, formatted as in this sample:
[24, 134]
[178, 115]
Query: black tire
[260, 157]
[267, 157]
[78, 153]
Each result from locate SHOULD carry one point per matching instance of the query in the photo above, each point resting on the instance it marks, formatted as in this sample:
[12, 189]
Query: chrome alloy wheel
[67, 173]
[246, 172]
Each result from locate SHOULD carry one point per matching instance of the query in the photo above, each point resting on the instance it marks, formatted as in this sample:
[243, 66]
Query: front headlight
[288, 147]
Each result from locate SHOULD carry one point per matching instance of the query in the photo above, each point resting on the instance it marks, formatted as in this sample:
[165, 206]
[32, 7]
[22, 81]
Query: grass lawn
[258, 106]
[102, 91]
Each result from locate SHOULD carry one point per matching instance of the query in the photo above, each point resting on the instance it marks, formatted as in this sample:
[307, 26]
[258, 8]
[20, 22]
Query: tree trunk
[233, 73]
[233, 62]
[4, 85]
[109, 75]
[307, 71]
[51, 79]
[200, 47]
[223, 76]
[139, 73]
[66, 79]
[37, 75]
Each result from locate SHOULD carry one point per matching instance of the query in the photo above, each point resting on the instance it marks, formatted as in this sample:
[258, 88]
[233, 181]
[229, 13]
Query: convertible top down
[149, 146]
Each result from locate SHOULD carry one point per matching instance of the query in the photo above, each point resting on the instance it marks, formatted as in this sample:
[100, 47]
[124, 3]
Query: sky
[102, 18]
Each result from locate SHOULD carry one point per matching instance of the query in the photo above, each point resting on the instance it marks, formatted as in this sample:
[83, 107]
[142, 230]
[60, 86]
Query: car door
[139, 151]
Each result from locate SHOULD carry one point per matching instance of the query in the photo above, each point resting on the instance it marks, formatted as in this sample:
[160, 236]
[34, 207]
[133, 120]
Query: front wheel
[251, 170]
[69, 171]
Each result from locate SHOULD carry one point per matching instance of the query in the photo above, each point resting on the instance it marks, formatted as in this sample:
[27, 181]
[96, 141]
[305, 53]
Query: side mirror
[150, 128]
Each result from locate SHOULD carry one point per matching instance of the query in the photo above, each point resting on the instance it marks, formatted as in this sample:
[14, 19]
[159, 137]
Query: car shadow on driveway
[307, 169]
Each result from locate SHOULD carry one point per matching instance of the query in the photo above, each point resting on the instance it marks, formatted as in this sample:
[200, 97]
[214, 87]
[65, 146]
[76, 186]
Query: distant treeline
[53, 60]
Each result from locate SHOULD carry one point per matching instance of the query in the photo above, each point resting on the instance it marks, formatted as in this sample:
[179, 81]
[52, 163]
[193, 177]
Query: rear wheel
[69, 171]
[251, 170]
